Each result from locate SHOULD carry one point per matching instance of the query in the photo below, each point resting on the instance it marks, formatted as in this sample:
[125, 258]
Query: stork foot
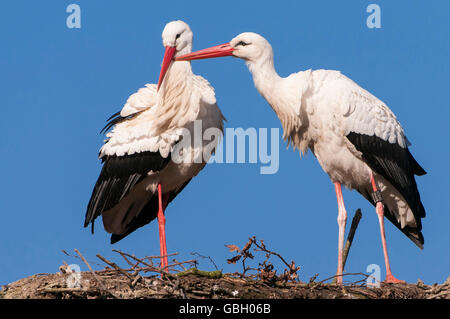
[390, 279]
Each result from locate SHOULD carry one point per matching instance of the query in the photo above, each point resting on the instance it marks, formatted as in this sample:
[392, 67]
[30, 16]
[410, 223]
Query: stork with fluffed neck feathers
[139, 178]
[356, 138]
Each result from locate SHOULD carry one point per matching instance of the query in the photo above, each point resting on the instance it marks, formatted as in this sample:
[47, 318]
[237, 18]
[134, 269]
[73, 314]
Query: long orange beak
[168, 57]
[213, 52]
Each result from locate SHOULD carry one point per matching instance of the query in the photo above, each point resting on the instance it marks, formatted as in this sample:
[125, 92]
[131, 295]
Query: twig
[265, 270]
[180, 263]
[78, 257]
[125, 257]
[346, 274]
[67, 290]
[114, 265]
[136, 279]
[351, 233]
[264, 249]
[138, 260]
[289, 274]
[151, 267]
[205, 257]
[150, 258]
[442, 294]
[90, 269]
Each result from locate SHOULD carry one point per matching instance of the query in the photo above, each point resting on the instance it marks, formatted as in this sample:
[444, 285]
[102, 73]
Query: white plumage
[356, 138]
[159, 126]
[143, 99]
[136, 156]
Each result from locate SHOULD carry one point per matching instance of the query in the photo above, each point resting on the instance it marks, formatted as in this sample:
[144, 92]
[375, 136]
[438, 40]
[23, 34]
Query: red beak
[168, 57]
[213, 52]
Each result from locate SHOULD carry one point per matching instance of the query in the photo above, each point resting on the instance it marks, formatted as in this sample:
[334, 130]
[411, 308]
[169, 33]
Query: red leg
[342, 220]
[162, 227]
[380, 212]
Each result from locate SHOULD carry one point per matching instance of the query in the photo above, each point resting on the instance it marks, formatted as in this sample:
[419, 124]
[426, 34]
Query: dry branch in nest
[265, 270]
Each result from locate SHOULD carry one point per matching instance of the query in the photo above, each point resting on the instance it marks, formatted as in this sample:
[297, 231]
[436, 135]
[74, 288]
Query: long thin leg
[162, 228]
[380, 213]
[342, 220]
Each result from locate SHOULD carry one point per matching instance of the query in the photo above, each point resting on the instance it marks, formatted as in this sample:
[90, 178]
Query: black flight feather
[148, 213]
[118, 176]
[398, 166]
[106, 179]
[412, 233]
[116, 118]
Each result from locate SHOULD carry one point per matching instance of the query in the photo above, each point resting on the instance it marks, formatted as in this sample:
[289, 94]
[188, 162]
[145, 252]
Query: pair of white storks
[355, 137]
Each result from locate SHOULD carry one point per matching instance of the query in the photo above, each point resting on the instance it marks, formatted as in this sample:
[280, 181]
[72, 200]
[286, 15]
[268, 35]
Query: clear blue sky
[59, 85]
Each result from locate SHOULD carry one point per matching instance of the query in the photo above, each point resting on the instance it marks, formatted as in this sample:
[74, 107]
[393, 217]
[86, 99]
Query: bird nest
[143, 278]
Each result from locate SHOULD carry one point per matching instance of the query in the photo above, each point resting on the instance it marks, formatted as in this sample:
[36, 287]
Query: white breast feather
[143, 99]
[207, 91]
[135, 136]
[138, 134]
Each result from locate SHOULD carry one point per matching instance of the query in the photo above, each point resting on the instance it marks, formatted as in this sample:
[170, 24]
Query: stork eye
[178, 35]
[242, 43]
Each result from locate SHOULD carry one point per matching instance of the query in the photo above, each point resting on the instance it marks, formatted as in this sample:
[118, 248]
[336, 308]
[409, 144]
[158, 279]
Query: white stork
[138, 179]
[356, 138]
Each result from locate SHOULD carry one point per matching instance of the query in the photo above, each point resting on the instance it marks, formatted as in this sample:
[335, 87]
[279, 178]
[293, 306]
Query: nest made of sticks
[143, 278]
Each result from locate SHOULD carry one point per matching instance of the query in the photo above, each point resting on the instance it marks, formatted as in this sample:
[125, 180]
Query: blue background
[59, 85]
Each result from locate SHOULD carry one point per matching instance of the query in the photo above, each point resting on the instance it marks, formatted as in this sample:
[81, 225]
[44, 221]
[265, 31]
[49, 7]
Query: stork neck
[265, 76]
[176, 81]
[270, 85]
[174, 97]
[284, 97]
[177, 72]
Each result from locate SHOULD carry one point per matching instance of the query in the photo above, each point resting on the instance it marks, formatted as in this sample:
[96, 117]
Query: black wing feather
[116, 118]
[118, 176]
[397, 165]
[148, 213]
[414, 234]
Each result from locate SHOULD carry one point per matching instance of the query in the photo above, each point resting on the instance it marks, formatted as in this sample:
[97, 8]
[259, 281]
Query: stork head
[251, 47]
[248, 46]
[177, 39]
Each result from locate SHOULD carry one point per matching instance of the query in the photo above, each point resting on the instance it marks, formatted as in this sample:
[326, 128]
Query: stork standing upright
[355, 137]
[139, 177]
